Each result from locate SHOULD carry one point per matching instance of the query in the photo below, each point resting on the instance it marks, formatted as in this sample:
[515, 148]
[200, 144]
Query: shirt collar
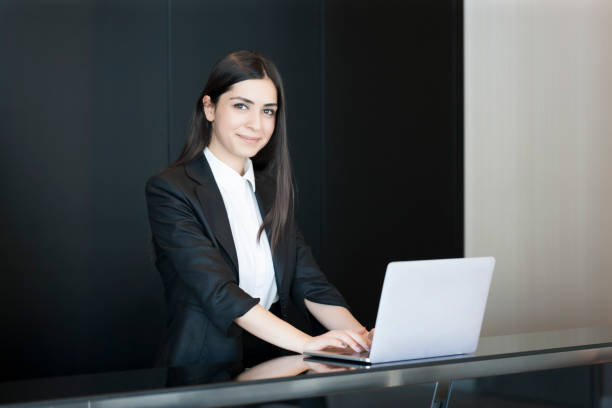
[226, 177]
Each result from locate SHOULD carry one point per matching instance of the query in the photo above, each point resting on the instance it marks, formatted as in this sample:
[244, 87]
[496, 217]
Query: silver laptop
[427, 309]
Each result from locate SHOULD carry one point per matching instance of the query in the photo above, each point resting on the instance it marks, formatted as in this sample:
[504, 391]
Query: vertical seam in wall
[169, 80]
[456, 24]
[323, 181]
[460, 129]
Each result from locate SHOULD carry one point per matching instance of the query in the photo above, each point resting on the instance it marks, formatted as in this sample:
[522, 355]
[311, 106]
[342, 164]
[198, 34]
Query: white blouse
[255, 267]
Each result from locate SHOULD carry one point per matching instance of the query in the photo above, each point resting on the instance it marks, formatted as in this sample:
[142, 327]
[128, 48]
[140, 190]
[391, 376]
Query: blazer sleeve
[309, 281]
[183, 250]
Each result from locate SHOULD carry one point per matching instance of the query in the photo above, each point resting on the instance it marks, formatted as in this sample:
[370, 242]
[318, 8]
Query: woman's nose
[254, 120]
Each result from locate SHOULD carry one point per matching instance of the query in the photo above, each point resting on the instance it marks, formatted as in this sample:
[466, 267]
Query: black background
[96, 96]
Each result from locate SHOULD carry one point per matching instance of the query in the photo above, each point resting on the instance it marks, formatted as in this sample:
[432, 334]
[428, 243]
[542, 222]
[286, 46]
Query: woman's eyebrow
[251, 102]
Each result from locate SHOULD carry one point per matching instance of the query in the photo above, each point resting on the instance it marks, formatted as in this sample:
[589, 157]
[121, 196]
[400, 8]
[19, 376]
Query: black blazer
[196, 257]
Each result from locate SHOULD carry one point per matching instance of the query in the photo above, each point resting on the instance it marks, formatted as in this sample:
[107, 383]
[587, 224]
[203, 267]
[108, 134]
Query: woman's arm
[185, 251]
[328, 305]
[265, 325]
[333, 317]
[337, 317]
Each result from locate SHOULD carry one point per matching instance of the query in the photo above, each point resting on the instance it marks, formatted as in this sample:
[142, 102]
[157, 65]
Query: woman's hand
[371, 334]
[355, 339]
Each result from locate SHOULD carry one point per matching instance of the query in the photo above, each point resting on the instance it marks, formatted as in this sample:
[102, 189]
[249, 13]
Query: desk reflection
[286, 366]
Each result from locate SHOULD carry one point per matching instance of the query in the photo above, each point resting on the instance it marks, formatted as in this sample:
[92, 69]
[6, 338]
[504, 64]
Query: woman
[234, 265]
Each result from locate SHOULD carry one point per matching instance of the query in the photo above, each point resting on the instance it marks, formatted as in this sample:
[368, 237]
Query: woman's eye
[270, 112]
[241, 106]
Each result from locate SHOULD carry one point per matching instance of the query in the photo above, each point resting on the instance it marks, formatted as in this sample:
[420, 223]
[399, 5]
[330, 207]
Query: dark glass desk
[581, 352]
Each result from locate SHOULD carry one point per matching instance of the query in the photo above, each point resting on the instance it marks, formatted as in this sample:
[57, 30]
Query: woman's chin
[250, 150]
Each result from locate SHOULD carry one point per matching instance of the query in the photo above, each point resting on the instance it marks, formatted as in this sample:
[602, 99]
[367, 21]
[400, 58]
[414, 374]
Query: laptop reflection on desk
[427, 309]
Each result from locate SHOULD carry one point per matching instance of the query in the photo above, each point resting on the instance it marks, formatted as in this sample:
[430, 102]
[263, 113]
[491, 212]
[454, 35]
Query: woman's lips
[249, 139]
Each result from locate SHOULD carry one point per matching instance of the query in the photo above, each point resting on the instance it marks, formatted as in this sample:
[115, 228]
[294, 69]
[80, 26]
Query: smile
[249, 139]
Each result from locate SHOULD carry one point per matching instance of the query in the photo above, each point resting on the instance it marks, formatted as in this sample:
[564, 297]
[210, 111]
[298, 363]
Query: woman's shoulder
[170, 178]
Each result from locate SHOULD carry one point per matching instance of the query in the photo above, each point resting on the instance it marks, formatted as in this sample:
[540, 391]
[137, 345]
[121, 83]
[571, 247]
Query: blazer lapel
[264, 192]
[212, 203]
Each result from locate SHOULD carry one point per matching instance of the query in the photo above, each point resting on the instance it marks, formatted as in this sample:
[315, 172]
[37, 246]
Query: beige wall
[538, 159]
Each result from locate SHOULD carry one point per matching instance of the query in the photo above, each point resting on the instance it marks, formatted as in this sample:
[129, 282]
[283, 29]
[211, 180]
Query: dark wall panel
[289, 33]
[97, 96]
[83, 123]
[392, 141]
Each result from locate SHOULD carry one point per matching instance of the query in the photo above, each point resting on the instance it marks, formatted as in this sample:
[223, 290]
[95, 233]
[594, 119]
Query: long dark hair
[274, 157]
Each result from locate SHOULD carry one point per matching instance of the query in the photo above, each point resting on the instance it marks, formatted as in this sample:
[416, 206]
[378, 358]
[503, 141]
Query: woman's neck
[234, 162]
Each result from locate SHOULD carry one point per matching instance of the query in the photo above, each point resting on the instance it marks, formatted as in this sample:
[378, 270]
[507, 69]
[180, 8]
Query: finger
[362, 339]
[338, 343]
[368, 338]
[358, 338]
[371, 334]
[322, 342]
[345, 337]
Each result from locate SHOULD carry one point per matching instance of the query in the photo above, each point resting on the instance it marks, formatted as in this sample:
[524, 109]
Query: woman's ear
[209, 108]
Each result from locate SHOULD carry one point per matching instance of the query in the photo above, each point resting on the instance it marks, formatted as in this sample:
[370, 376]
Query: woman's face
[242, 120]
